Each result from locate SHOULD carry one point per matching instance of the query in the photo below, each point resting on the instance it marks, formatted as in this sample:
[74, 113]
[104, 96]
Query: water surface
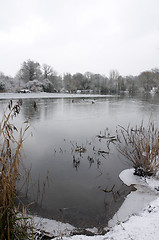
[62, 124]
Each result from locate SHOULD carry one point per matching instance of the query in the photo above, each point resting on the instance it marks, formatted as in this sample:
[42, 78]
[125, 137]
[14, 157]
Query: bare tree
[114, 80]
[47, 70]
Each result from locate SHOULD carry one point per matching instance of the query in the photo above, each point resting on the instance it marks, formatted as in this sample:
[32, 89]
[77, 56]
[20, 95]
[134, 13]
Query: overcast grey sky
[80, 35]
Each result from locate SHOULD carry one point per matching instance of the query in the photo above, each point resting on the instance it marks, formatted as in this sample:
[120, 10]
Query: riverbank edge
[129, 227]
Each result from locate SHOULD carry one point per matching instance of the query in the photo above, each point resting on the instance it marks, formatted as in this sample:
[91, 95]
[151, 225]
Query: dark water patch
[80, 217]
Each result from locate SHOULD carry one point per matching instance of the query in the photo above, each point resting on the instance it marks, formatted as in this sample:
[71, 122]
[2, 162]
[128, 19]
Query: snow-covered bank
[146, 192]
[49, 95]
[135, 221]
[142, 226]
[52, 227]
[133, 204]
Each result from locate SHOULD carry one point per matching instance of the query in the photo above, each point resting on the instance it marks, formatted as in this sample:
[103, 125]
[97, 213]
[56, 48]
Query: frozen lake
[60, 126]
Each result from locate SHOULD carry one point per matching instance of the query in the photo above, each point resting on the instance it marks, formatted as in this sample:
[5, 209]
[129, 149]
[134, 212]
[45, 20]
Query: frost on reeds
[140, 146]
[12, 225]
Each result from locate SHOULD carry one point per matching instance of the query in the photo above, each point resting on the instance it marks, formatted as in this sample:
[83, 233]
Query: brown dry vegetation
[140, 146]
[12, 224]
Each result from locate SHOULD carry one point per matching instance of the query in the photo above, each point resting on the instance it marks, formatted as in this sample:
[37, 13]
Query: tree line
[36, 77]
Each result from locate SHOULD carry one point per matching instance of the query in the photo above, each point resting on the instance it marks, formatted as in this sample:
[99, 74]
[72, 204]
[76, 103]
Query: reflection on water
[64, 146]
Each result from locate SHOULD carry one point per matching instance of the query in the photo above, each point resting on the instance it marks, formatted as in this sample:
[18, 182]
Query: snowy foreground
[138, 217]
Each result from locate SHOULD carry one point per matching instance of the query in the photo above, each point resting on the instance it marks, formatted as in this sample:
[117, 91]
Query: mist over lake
[67, 157]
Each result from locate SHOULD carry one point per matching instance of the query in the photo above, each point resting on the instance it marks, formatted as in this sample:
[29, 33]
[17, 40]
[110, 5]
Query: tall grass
[12, 225]
[140, 146]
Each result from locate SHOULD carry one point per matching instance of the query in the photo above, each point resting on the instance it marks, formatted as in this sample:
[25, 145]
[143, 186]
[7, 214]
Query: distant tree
[81, 82]
[77, 80]
[121, 84]
[114, 81]
[66, 81]
[47, 71]
[146, 80]
[113, 74]
[131, 84]
[88, 80]
[57, 82]
[96, 82]
[155, 72]
[2, 75]
[2, 86]
[47, 85]
[8, 84]
[88, 75]
[104, 85]
[29, 71]
[34, 86]
[69, 82]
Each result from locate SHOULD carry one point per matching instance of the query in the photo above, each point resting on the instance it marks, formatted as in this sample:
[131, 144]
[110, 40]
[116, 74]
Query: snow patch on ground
[146, 192]
[52, 227]
[133, 204]
[144, 184]
[142, 226]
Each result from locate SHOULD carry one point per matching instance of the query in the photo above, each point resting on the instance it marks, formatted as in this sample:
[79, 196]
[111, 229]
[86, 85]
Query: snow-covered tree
[47, 85]
[29, 71]
[34, 86]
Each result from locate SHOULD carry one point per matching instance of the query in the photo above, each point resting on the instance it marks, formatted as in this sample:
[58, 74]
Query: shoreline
[140, 206]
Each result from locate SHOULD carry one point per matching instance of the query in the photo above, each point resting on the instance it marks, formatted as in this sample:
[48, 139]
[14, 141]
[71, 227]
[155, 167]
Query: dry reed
[12, 225]
[140, 146]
